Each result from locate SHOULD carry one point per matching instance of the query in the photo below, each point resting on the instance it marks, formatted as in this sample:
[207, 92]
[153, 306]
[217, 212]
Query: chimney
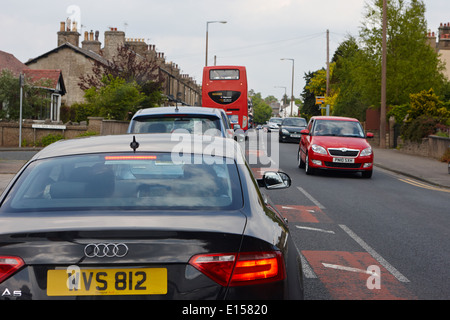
[137, 45]
[73, 37]
[431, 40]
[113, 40]
[444, 36]
[89, 43]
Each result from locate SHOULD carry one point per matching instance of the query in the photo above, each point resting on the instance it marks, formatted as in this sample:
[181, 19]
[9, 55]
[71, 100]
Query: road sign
[320, 100]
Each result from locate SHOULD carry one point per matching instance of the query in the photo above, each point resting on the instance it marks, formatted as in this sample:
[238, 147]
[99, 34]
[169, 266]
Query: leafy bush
[419, 128]
[49, 139]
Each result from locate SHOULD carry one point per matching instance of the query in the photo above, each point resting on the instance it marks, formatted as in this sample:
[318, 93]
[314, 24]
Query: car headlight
[318, 149]
[366, 152]
[284, 131]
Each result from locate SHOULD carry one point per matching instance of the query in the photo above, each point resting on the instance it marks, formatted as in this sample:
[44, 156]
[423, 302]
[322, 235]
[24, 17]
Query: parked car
[200, 120]
[274, 124]
[144, 216]
[290, 129]
[335, 143]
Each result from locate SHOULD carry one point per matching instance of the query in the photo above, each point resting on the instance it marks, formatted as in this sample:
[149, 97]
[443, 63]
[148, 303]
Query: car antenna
[134, 144]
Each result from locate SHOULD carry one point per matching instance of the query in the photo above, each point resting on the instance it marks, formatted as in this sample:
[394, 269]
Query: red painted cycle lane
[347, 276]
[307, 214]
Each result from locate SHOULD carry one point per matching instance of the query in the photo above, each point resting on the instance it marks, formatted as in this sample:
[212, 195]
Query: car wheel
[300, 162]
[366, 174]
[308, 169]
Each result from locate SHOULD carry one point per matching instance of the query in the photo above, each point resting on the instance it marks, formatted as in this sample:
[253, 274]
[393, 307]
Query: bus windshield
[224, 74]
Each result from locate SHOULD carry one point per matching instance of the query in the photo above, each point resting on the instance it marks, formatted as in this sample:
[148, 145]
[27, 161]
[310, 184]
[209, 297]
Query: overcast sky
[258, 33]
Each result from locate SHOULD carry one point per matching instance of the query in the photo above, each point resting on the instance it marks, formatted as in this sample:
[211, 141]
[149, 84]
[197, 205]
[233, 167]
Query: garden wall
[34, 131]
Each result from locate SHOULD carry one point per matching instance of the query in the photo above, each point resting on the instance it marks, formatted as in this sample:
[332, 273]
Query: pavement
[421, 168]
[424, 169]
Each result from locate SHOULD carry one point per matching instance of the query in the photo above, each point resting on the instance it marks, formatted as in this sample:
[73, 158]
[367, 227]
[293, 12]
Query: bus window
[222, 74]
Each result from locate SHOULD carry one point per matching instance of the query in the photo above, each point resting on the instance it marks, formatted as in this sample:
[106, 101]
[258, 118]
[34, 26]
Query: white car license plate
[344, 160]
[296, 135]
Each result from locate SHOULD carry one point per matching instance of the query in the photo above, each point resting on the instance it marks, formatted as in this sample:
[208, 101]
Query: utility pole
[383, 80]
[328, 63]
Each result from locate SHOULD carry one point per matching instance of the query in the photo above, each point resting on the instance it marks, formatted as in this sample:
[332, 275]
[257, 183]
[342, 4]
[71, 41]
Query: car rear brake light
[130, 158]
[8, 266]
[249, 267]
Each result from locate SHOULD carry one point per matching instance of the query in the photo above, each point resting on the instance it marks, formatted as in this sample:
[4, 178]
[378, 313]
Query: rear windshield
[224, 74]
[167, 124]
[298, 122]
[127, 181]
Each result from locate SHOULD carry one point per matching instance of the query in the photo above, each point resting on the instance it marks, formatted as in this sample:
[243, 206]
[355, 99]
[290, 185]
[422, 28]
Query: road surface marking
[375, 255]
[422, 185]
[315, 229]
[310, 197]
[303, 214]
[338, 267]
[344, 276]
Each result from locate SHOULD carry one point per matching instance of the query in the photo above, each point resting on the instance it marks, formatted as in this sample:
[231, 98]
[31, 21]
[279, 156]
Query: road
[346, 228]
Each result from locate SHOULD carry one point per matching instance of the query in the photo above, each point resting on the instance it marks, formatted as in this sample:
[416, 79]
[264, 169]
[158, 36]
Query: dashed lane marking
[374, 254]
[310, 197]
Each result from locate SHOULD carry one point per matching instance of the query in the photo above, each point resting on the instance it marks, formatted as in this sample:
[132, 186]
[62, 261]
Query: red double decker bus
[225, 87]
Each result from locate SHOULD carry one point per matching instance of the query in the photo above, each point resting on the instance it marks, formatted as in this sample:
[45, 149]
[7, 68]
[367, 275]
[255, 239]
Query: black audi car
[144, 216]
[290, 129]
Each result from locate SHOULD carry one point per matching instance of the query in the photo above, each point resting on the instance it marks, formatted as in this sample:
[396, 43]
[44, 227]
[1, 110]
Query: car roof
[334, 118]
[177, 110]
[157, 142]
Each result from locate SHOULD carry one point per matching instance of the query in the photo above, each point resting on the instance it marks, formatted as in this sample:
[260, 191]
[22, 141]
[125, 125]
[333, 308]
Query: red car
[335, 143]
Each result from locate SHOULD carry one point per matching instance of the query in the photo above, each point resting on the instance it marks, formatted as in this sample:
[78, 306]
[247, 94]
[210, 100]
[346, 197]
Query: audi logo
[108, 250]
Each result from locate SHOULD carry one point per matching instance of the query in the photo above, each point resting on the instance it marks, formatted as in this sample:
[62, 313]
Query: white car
[274, 124]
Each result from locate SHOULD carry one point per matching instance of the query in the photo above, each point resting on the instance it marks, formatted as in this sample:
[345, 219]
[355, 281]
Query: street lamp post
[207, 23]
[292, 88]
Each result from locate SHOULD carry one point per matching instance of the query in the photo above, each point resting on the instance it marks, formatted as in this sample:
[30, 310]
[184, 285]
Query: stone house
[75, 61]
[442, 45]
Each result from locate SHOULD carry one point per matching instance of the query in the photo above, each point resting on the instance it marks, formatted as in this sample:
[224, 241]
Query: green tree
[309, 107]
[412, 65]
[349, 65]
[116, 100]
[35, 102]
[261, 110]
[134, 69]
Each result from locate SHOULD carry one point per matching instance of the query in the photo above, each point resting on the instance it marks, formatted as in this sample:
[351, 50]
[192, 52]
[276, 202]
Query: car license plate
[92, 282]
[296, 135]
[344, 160]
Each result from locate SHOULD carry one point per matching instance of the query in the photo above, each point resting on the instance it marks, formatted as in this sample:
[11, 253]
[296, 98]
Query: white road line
[338, 267]
[374, 254]
[310, 197]
[315, 229]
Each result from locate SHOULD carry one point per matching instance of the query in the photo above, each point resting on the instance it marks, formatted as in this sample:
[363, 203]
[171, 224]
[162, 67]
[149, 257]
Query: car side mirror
[305, 131]
[369, 135]
[275, 180]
